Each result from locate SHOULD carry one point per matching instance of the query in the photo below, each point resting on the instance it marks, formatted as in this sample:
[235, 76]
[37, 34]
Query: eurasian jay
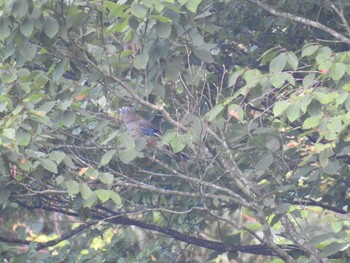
[137, 126]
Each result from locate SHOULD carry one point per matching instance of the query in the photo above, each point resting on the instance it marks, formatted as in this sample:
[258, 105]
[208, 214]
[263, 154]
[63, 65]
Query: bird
[137, 126]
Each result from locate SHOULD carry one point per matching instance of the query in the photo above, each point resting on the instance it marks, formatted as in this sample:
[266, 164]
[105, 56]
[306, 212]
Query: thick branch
[302, 20]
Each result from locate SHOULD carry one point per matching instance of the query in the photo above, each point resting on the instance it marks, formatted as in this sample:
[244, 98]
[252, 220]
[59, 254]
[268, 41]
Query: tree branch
[302, 20]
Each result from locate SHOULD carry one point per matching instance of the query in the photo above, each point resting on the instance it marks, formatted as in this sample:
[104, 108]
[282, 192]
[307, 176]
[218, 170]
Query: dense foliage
[251, 97]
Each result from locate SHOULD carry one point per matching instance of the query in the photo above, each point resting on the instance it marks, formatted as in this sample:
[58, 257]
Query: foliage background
[254, 93]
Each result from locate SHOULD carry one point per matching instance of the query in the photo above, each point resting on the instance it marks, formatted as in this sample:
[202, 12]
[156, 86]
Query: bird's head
[124, 109]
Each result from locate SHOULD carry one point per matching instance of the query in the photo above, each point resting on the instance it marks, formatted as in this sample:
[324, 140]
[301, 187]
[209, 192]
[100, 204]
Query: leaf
[28, 51]
[204, 55]
[292, 60]
[333, 248]
[57, 156]
[92, 173]
[293, 112]
[264, 162]
[27, 27]
[115, 197]
[278, 63]
[308, 80]
[141, 60]
[106, 178]
[280, 107]
[9, 133]
[68, 118]
[103, 195]
[4, 195]
[162, 19]
[163, 30]
[324, 54]
[72, 187]
[107, 157]
[252, 77]
[127, 155]
[91, 201]
[234, 77]
[138, 10]
[85, 191]
[20, 9]
[236, 112]
[335, 124]
[49, 165]
[308, 51]
[277, 80]
[127, 141]
[311, 122]
[337, 71]
[51, 27]
[192, 5]
[215, 112]
[60, 68]
[325, 98]
[177, 143]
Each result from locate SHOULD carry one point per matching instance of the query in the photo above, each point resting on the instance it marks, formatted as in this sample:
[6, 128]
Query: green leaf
[141, 60]
[127, 141]
[91, 201]
[28, 51]
[115, 197]
[68, 118]
[91, 173]
[127, 155]
[192, 5]
[22, 137]
[177, 144]
[308, 80]
[264, 162]
[335, 124]
[324, 54]
[162, 19]
[215, 112]
[9, 133]
[85, 191]
[103, 195]
[311, 122]
[277, 80]
[138, 10]
[234, 77]
[308, 51]
[278, 63]
[337, 71]
[27, 27]
[293, 112]
[72, 187]
[49, 165]
[333, 248]
[292, 60]
[20, 9]
[204, 55]
[106, 178]
[60, 68]
[107, 157]
[325, 98]
[163, 30]
[252, 77]
[51, 27]
[4, 195]
[57, 156]
[236, 111]
[280, 107]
